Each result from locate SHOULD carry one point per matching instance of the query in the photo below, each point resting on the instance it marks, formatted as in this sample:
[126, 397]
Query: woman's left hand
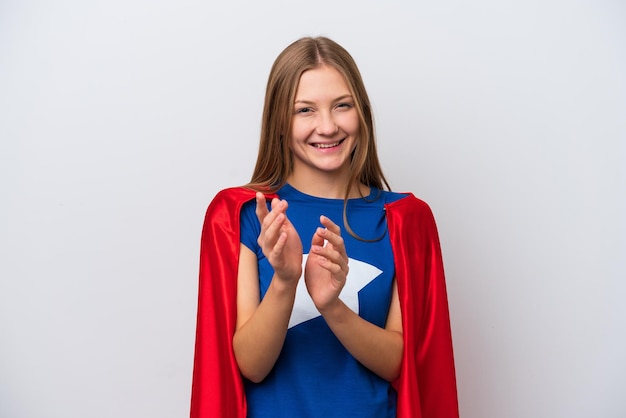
[326, 267]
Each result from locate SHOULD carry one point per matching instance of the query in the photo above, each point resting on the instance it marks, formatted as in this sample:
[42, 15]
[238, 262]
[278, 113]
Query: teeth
[327, 145]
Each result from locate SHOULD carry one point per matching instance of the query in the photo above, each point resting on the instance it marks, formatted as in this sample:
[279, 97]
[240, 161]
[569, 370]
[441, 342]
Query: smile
[324, 146]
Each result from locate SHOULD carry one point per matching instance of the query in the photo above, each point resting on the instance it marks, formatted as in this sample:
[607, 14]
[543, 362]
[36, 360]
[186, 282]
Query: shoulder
[412, 213]
[233, 195]
[407, 202]
[239, 193]
[229, 200]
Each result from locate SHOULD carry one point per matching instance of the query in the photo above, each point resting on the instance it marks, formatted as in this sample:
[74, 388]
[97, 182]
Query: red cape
[426, 385]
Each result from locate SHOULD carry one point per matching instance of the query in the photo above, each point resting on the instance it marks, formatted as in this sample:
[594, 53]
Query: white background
[120, 120]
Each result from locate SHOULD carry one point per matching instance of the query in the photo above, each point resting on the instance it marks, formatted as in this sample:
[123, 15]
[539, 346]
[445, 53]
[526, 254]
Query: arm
[261, 326]
[378, 349]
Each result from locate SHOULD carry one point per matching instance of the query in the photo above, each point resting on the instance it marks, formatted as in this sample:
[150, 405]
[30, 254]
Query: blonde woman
[322, 293]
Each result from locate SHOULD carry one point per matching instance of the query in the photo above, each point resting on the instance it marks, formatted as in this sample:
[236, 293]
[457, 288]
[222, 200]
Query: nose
[326, 125]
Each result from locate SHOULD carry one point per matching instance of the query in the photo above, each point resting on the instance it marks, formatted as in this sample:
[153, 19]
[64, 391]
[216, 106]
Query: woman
[321, 292]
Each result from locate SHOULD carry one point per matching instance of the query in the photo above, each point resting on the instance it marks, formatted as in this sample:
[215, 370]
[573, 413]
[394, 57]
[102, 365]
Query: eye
[345, 105]
[304, 110]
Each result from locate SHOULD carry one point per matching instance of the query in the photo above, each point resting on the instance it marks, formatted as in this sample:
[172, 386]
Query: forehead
[321, 82]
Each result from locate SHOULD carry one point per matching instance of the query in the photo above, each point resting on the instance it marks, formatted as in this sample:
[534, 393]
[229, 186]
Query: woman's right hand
[279, 240]
[262, 324]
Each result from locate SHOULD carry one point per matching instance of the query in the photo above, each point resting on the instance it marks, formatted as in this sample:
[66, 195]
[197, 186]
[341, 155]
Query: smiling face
[325, 126]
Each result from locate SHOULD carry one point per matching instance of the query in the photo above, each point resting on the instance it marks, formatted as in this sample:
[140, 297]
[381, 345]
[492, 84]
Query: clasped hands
[326, 267]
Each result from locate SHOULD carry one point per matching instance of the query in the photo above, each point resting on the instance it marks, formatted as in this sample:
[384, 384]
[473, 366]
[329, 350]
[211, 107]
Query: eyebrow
[345, 96]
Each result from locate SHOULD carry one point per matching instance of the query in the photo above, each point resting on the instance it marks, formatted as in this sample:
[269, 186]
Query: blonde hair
[274, 161]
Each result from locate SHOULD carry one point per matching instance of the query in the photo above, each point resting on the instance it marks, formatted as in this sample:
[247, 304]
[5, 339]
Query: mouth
[327, 146]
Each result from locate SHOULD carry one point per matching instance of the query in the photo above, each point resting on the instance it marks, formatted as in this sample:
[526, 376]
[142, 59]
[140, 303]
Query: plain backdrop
[121, 119]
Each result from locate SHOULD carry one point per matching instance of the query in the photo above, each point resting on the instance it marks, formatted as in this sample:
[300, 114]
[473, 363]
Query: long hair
[274, 161]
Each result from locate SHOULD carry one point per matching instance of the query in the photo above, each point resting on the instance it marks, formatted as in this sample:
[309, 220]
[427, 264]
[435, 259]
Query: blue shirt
[315, 376]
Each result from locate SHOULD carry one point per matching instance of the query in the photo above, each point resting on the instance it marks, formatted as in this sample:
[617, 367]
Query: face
[325, 125]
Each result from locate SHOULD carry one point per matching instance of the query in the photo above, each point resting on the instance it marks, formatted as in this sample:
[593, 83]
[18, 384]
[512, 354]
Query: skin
[324, 115]
[324, 133]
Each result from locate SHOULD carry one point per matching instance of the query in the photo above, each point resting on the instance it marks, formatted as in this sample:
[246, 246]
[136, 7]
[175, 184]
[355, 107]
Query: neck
[326, 187]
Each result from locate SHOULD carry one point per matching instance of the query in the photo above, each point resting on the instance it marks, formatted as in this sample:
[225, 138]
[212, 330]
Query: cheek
[352, 128]
[350, 123]
[295, 137]
[355, 127]
[299, 132]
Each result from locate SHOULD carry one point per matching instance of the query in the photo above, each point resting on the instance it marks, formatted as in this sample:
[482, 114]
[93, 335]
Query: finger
[338, 271]
[334, 239]
[338, 267]
[261, 206]
[332, 258]
[318, 238]
[271, 229]
[329, 224]
[270, 220]
[267, 217]
[333, 233]
[280, 243]
[278, 211]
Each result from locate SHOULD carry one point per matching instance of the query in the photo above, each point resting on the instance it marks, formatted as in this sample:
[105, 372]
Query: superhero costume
[426, 386]
[315, 376]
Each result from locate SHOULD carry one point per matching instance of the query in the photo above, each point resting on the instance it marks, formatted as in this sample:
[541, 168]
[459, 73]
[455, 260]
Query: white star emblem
[359, 275]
